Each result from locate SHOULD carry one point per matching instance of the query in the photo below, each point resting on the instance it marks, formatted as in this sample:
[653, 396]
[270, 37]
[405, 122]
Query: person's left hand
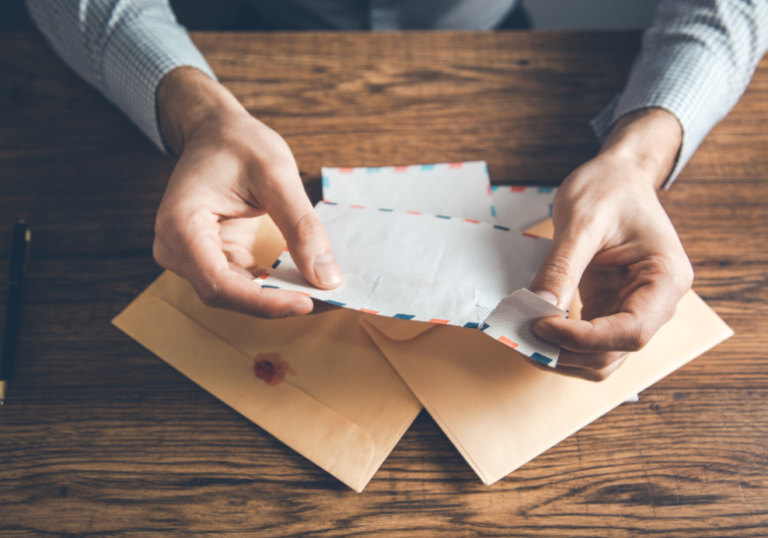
[614, 241]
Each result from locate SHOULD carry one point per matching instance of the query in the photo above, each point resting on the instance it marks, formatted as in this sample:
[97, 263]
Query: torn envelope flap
[511, 323]
[418, 257]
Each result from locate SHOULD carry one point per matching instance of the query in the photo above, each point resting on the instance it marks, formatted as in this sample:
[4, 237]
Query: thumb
[560, 273]
[307, 242]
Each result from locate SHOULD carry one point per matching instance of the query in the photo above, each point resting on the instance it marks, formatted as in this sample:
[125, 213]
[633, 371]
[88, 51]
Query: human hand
[231, 170]
[615, 243]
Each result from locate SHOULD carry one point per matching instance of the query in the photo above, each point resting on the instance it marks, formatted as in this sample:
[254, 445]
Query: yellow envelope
[499, 411]
[317, 383]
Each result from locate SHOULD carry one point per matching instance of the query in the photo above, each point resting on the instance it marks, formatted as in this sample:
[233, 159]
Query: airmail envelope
[451, 189]
[500, 411]
[317, 383]
[518, 207]
[434, 268]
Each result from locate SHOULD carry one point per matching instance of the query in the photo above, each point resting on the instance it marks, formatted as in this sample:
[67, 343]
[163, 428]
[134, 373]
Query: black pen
[22, 236]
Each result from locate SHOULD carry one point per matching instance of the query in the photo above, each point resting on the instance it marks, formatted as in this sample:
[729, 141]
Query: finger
[238, 237]
[240, 270]
[164, 257]
[239, 256]
[320, 307]
[580, 373]
[589, 361]
[589, 374]
[305, 235]
[650, 305]
[559, 275]
[198, 257]
[241, 294]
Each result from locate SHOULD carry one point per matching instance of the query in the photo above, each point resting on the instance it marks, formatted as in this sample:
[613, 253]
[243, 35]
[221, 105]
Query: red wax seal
[271, 368]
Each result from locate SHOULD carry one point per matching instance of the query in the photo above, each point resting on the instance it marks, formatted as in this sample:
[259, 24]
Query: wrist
[188, 99]
[650, 139]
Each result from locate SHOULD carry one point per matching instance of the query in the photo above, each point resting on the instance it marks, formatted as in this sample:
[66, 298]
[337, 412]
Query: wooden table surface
[101, 438]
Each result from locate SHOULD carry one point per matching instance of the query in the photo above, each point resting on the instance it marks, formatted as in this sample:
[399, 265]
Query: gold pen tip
[3, 385]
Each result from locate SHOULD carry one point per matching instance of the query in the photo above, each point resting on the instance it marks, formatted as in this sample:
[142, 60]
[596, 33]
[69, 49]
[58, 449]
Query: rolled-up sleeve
[697, 59]
[122, 47]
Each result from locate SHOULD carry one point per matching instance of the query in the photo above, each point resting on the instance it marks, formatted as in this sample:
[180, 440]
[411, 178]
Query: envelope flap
[500, 412]
[545, 229]
[401, 360]
[399, 329]
[317, 432]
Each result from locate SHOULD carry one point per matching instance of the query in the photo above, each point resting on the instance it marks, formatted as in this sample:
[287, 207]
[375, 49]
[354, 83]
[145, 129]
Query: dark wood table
[101, 438]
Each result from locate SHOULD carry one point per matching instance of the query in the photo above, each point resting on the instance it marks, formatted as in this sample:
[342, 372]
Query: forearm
[697, 59]
[187, 100]
[649, 139]
[122, 47]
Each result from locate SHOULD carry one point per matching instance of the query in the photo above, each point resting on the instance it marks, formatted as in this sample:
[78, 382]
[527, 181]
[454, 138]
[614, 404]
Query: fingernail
[546, 332]
[326, 270]
[299, 309]
[547, 296]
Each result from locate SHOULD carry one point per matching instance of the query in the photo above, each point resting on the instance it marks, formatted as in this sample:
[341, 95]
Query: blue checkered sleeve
[696, 61]
[122, 47]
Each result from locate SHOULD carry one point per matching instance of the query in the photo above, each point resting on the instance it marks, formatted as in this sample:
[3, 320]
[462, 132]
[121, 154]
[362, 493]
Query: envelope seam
[424, 401]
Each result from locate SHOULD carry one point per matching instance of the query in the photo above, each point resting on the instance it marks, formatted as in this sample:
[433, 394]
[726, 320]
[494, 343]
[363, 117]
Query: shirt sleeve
[122, 47]
[696, 61]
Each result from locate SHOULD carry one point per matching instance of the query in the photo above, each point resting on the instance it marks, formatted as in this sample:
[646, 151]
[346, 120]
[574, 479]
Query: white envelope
[519, 208]
[460, 189]
[432, 268]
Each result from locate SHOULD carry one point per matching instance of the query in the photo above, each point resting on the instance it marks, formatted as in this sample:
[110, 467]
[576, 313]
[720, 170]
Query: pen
[22, 236]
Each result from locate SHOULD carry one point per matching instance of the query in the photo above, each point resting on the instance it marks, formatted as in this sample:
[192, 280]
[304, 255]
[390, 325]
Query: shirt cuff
[685, 80]
[137, 57]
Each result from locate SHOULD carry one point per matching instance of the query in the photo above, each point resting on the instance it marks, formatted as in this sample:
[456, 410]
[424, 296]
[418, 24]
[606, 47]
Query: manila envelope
[317, 383]
[500, 411]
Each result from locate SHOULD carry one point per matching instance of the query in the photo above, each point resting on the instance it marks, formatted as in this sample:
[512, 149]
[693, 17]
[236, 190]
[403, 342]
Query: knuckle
[309, 230]
[638, 338]
[601, 362]
[559, 268]
[209, 294]
[168, 226]
[272, 156]
[599, 376]
[168, 216]
[282, 164]
[157, 253]
[686, 274]
[161, 225]
[584, 221]
[677, 270]
[582, 340]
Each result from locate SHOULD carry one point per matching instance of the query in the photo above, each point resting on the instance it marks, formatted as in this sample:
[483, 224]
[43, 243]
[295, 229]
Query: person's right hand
[231, 170]
[615, 243]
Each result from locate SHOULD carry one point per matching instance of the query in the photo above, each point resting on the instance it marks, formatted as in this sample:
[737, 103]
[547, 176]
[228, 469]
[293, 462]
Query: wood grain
[103, 439]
